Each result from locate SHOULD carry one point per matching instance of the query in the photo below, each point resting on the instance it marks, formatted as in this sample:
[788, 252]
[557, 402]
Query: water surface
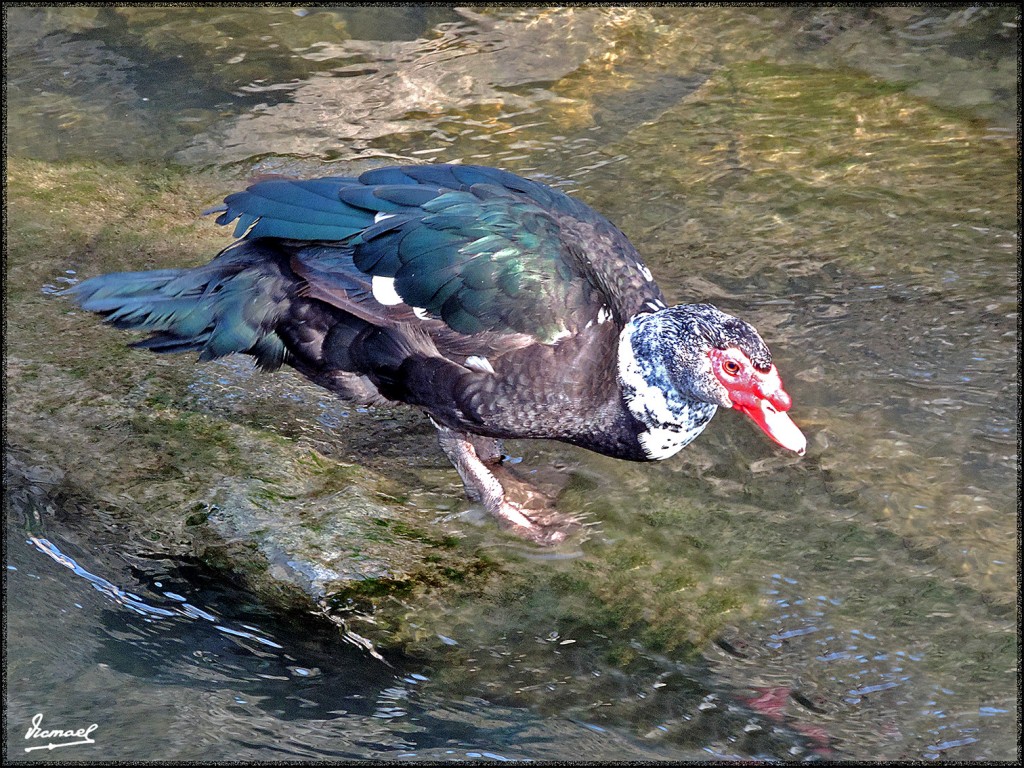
[843, 178]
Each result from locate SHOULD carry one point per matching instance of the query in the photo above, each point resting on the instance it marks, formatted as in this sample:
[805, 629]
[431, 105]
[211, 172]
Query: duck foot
[515, 504]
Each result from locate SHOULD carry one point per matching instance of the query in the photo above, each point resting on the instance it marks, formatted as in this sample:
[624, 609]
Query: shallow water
[845, 179]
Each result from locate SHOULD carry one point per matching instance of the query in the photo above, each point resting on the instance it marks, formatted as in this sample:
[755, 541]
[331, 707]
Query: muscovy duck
[501, 307]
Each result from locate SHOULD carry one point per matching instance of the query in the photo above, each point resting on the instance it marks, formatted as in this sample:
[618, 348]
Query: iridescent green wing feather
[477, 248]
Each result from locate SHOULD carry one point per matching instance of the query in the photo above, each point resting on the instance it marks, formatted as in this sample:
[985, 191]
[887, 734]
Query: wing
[479, 249]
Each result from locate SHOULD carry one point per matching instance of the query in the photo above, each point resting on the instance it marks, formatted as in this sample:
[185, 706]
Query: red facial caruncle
[760, 395]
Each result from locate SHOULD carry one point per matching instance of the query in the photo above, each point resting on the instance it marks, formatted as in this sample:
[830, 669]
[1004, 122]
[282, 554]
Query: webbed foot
[515, 504]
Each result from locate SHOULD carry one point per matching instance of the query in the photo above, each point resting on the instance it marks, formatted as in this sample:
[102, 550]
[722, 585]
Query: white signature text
[80, 736]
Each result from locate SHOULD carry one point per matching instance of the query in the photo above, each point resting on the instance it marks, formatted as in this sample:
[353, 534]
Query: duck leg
[478, 461]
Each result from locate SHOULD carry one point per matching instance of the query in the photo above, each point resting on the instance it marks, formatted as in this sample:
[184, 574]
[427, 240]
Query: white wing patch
[479, 363]
[384, 291]
[559, 336]
[380, 216]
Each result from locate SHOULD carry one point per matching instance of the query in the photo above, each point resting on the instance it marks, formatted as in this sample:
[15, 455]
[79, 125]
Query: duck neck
[669, 420]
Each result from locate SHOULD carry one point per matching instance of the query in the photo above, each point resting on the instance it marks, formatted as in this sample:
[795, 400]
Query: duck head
[678, 365]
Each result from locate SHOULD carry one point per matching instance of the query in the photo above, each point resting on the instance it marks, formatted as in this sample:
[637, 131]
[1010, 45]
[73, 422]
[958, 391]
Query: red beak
[776, 424]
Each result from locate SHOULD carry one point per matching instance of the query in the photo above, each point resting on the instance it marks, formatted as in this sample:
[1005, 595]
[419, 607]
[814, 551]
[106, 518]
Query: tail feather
[223, 307]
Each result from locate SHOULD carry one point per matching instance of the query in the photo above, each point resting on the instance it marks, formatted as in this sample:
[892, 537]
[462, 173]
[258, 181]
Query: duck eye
[731, 367]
